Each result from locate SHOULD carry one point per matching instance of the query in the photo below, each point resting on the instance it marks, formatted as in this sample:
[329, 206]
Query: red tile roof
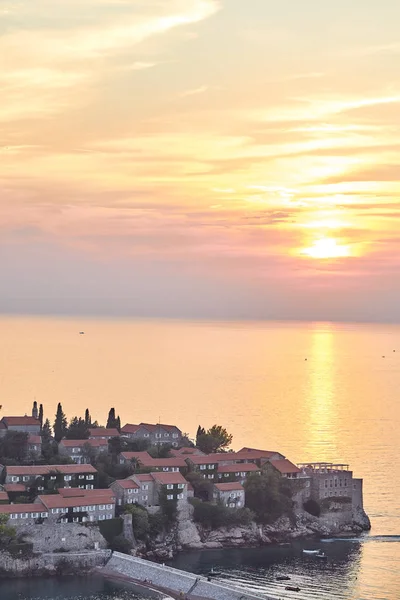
[241, 468]
[186, 451]
[22, 508]
[3, 496]
[14, 487]
[34, 439]
[229, 487]
[127, 484]
[81, 443]
[78, 492]
[57, 501]
[50, 469]
[103, 431]
[209, 459]
[168, 478]
[249, 453]
[129, 428]
[143, 477]
[284, 466]
[136, 455]
[146, 460]
[20, 421]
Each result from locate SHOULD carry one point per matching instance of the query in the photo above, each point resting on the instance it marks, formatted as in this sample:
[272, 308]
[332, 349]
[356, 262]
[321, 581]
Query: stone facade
[154, 434]
[231, 495]
[23, 424]
[80, 451]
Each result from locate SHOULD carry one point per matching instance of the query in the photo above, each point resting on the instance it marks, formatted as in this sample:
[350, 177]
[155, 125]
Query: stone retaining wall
[174, 580]
[51, 564]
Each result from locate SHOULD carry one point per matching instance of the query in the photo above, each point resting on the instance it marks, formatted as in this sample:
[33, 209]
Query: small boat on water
[214, 573]
[292, 588]
[312, 552]
[283, 578]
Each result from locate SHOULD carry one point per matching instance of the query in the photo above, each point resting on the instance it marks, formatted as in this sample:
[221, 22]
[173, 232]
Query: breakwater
[52, 563]
[173, 581]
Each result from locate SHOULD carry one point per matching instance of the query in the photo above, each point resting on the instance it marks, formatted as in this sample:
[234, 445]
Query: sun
[327, 248]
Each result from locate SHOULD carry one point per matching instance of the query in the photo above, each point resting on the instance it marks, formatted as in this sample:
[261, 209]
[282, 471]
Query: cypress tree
[88, 418]
[118, 423]
[111, 421]
[60, 424]
[41, 416]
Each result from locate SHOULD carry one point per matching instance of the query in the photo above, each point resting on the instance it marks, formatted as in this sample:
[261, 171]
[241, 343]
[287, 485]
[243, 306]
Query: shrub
[121, 544]
[157, 522]
[140, 520]
[312, 507]
[217, 515]
[269, 496]
[110, 529]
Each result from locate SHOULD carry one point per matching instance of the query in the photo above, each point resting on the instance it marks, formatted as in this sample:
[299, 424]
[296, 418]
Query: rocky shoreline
[187, 535]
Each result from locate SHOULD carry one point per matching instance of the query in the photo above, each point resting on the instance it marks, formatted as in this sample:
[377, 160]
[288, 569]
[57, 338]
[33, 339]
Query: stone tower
[35, 413]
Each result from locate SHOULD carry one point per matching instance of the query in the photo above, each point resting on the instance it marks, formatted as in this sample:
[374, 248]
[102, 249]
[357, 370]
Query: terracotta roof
[284, 466]
[78, 492]
[186, 451]
[146, 460]
[14, 487]
[57, 501]
[81, 443]
[241, 468]
[22, 508]
[143, 477]
[34, 439]
[103, 431]
[155, 427]
[229, 487]
[257, 452]
[15, 421]
[127, 484]
[168, 478]
[209, 459]
[46, 469]
[129, 428]
[2, 425]
[3, 496]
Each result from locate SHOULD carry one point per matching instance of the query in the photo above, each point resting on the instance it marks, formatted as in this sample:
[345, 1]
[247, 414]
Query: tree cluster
[213, 516]
[215, 439]
[269, 496]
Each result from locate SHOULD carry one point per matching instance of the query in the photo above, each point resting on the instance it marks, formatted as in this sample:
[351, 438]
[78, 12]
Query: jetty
[172, 582]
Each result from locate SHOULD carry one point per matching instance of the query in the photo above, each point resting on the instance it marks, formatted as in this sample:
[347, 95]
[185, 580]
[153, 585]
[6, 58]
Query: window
[25, 478]
[180, 496]
[81, 487]
[89, 487]
[102, 507]
[54, 511]
[25, 516]
[102, 517]
[13, 516]
[75, 450]
[109, 516]
[181, 486]
[326, 483]
[345, 483]
[14, 478]
[237, 474]
[145, 486]
[170, 486]
[203, 467]
[67, 477]
[308, 483]
[175, 469]
[81, 477]
[144, 498]
[90, 477]
[210, 476]
[130, 501]
[146, 435]
[44, 515]
[243, 474]
[40, 488]
[225, 475]
[91, 508]
[35, 515]
[166, 434]
[109, 506]
[211, 466]
[135, 491]
[170, 497]
[232, 505]
[175, 435]
[53, 477]
[130, 491]
[158, 435]
[165, 469]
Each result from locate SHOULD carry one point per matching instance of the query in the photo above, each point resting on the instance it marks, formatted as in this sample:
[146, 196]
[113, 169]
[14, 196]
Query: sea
[312, 391]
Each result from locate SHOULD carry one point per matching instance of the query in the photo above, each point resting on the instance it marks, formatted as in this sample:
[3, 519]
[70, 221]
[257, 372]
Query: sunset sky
[200, 158]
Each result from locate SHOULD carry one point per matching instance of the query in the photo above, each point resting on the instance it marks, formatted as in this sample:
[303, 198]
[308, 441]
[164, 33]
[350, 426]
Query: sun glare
[327, 248]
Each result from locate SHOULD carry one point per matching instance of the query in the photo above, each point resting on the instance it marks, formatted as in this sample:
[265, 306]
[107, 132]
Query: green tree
[77, 430]
[140, 520]
[14, 445]
[41, 416]
[60, 424]
[7, 533]
[216, 439]
[203, 488]
[88, 418]
[169, 508]
[112, 421]
[268, 496]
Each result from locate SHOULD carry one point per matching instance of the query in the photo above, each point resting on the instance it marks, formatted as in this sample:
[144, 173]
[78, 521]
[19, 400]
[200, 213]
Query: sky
[200, 158]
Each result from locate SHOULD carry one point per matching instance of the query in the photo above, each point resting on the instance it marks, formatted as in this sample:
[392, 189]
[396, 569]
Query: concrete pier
[173, 582]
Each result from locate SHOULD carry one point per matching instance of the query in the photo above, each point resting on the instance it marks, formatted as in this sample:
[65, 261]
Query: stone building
[231, 495]
[145, 493]
[154, 434]
[80, 451]
[24, 514]
[174, 486]
[34, 446]
[78, 509]
[144, 460]
[23, 424]
[236, 472]
[126, 491]
[48, 477]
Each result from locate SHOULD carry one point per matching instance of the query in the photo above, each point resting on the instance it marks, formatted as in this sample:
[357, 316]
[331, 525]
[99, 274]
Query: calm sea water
[341, 404]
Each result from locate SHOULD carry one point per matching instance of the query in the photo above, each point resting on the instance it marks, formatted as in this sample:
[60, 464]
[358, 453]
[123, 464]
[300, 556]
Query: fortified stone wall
[52, 564]
[71, 537]
[174, 580]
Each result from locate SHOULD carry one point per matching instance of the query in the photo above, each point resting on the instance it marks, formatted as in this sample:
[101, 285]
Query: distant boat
[283, 578]
[81, 333]
[312, 552]
[214, 573]
[292, 588]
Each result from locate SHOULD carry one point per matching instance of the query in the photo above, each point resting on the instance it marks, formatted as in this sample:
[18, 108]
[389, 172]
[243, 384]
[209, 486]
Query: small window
[14, 479]
[90, 477]
[109, 516]
[81, 477]
[170, 486]
[54, 511]
[170, 497]
[130, 491]
[67, 477]
[211, 477]
[102, 507]
[53, 477]
[237, 474]
[166, 434]
[180, 496]
[25, 478]
[144, 497]
[145, 487]
[146, 435]
[202, 467]
[165, 469]
[181, 486]
[40, 488]
[135, 491]
[109, 506]
[175, 435]
[44, 515]
[225, 475]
